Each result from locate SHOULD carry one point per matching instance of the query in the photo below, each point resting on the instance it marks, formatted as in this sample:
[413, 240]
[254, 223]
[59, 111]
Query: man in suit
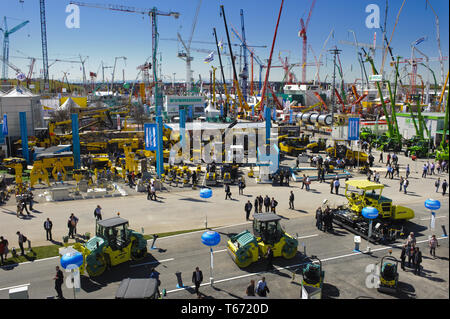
[227, 192]
[248, 209]
[291, 200]
[59, 279]
[48, 229]
[197, 278]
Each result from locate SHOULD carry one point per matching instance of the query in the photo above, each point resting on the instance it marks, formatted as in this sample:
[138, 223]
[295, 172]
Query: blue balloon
[369, 212]
[205, 193]
[73, 258]
[210, 238]
[432, 204]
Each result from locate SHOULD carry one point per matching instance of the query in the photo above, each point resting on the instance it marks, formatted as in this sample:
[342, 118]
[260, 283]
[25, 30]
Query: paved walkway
[183, 210]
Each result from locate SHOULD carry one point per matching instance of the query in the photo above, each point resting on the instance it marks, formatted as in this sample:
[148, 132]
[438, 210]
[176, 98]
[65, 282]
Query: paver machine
[391, 221]
[114, 243]
[388, 275]
[246, 248]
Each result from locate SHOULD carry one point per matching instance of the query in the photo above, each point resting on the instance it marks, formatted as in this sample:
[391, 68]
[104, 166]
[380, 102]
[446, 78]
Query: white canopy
[69, 104]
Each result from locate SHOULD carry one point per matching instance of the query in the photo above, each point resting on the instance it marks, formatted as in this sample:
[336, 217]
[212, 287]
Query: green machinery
[418, 146]
[388, 275]
[313, 274]
[391, 140]
[367, 135]
[442, 150]
[246, 248]
[112, 245]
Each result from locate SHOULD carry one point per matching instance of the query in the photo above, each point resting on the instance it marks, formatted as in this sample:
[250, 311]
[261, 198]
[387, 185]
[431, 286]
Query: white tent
[69, 104]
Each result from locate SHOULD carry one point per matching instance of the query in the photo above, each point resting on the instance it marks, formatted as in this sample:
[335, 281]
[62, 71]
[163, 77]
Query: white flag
[209, 58]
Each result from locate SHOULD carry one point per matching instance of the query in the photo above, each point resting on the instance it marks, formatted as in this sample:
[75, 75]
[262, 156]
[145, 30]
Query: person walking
[381, 158]
[241, 186]
[74, 221]
[424, 171]
[250, 291]
[261, 288]
[433, 243]
[267, 203]
[98, 213]
[29, 199]
[408, 170]
[48, 229]
[307, 183]
[397, 169]
[401, 183]
[432, 167]
[149, 192]
[153, 191]
[227, 192]
[336, 186]
[248, 209]
[388, 159]
[197, 278]
[269, 257]
[21, 240]
[303, 181]
[444, 187]
[388, 171]
[59, 280]
[255, 204]
[260, 203]
[291, 200]
[403, 256]
[4, 242]
[332, 185]
[273, 205]
[405, 185]
[2, 250]
[437, 183]
[319, 218]
[417, 261]
[71, 228]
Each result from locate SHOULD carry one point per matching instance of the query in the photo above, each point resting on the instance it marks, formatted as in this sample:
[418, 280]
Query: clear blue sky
[105, 34]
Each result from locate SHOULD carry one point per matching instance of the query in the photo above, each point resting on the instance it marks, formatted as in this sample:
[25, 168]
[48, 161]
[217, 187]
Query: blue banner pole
[76, 142]
[182, 112]
[268, 124]
[24, 135]
[159, 147]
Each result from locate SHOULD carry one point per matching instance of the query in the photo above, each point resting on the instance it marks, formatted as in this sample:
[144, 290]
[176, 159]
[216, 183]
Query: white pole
[370, 235]
[211, 279]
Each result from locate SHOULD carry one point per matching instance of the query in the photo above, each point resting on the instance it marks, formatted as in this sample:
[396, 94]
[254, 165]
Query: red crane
[302, 34]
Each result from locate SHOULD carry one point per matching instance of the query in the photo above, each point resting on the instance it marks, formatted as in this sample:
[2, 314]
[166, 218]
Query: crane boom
[44, 45]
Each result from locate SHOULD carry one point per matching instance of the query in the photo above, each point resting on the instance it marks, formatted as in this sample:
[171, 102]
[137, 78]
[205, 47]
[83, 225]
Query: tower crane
[302, 34]
[152, 13]
[186, 56]
[103, 72]
[438, 38]
[114, 69]
[254, 57]
[44, 45]
[6, 34]
[244, 73]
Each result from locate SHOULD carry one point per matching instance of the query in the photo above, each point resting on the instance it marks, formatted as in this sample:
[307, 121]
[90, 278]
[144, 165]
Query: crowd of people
[270, 205]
